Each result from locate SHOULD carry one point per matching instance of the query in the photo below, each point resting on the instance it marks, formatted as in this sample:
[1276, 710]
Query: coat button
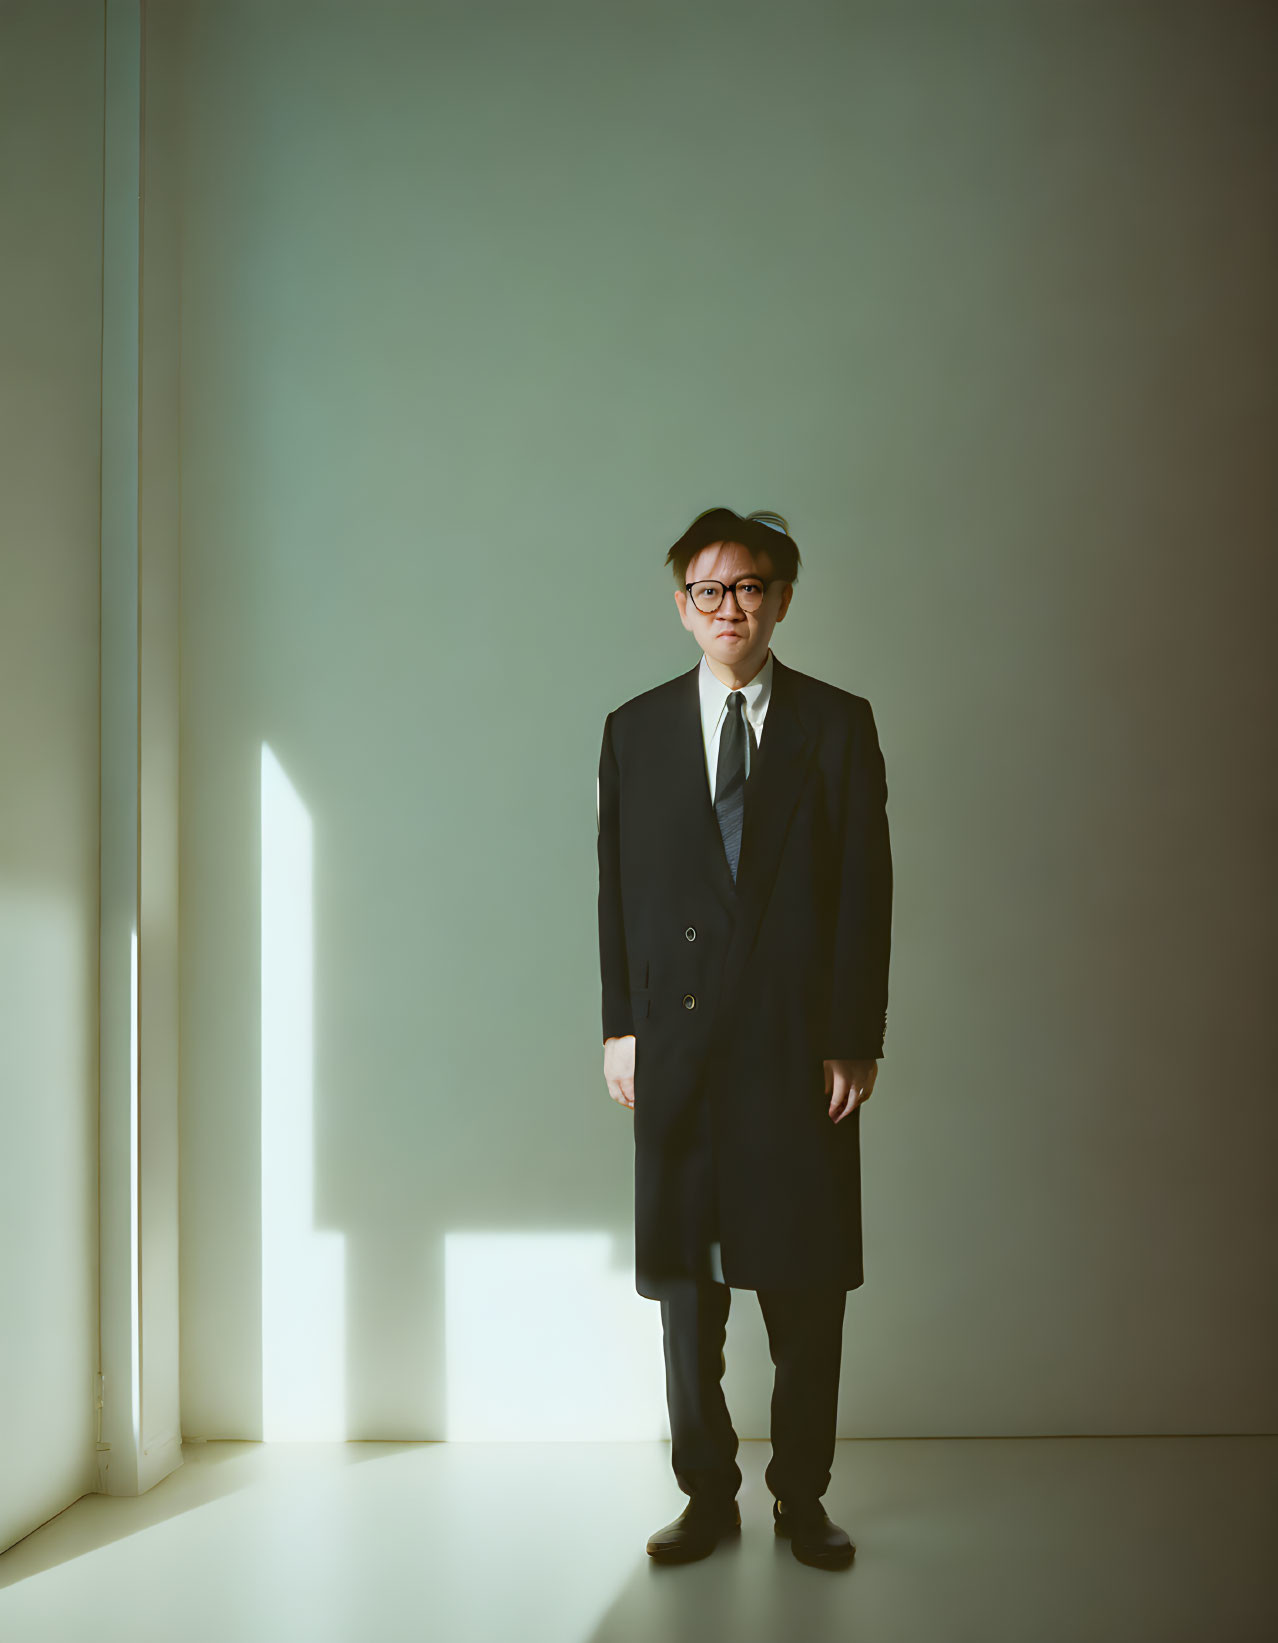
[689, 1001]
[690, 933]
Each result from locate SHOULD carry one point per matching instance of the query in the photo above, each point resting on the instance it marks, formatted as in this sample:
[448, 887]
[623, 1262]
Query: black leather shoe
[813, 1538]
[696, 1531]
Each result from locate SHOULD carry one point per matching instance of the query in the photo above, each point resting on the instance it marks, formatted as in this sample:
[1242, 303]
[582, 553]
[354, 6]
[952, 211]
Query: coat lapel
[772, 791]
[692, 789]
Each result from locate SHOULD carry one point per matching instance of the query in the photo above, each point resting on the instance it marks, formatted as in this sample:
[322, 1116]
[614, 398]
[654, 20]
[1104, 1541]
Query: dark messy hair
[783, 554]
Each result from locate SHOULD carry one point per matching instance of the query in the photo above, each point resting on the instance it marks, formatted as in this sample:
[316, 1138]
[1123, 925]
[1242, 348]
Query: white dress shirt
[714, 710]
[714, 706]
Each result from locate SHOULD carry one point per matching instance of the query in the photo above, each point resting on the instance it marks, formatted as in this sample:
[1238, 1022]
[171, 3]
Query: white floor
[1055, 1540]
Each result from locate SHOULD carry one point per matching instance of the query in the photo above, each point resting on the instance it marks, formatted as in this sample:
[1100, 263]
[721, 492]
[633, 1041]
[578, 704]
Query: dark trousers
[805, 1337]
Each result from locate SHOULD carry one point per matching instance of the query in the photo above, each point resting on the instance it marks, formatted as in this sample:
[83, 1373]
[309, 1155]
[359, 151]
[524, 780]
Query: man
[745, 905]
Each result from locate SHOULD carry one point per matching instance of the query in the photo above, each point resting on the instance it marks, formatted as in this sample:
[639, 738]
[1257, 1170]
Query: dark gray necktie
[730, 778]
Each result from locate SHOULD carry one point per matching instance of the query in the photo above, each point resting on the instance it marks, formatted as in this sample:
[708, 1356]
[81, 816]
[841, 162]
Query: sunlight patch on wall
[135, 1238]
[303, 1269]
[546, 1339]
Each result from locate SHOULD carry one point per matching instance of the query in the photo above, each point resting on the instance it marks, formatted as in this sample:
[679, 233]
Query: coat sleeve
[863, 910]
[614, 974]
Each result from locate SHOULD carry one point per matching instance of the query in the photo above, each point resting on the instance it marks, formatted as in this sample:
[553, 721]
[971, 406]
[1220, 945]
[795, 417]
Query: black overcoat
[738, 992]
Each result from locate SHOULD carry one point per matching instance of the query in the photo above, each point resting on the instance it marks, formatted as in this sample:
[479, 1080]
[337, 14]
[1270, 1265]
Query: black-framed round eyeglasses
[708, 596]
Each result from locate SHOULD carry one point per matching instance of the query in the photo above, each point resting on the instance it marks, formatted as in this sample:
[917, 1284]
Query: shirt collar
[714, 695]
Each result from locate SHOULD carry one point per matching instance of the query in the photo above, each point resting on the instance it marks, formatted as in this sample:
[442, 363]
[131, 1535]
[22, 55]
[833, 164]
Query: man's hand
[619, 1069]
[849, 1084]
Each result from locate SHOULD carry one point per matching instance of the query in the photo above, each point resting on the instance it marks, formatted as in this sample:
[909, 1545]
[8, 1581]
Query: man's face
[737, 639]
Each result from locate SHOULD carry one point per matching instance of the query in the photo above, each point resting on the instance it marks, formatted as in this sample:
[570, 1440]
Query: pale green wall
[51, 65]
[481, 304]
